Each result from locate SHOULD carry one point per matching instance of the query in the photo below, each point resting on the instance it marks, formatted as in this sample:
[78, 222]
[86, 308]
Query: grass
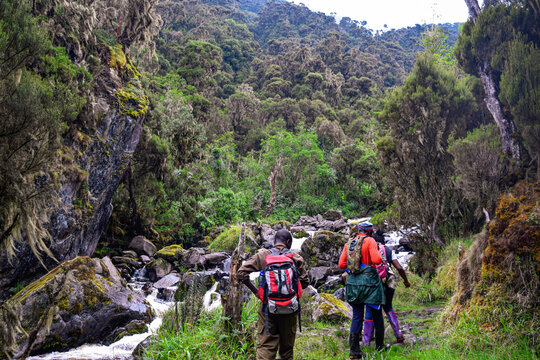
[489, 332]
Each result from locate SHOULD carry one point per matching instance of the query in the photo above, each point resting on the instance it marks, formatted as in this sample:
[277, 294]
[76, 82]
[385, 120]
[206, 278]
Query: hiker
[275, 330]
[363, 287]
[389, 284]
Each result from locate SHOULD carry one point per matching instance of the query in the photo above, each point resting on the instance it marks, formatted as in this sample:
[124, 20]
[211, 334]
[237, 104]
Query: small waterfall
[212, 299]
[297, 243]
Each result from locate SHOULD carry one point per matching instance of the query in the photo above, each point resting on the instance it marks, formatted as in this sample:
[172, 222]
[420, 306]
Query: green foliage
[222, 207]
[421, 116]
[41, 91]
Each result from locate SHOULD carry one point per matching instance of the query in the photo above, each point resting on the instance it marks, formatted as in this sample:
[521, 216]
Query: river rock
[172, 254]
[167, 281]
[126, 260]
[306, 221]
[406, 244]
[310, 291]
[333, 215]
[84, 299]
[194, 257]
[340, 294]
[331, 309]
[142, 246]
[130, 253]
[145, 259]
[214, 259]
[331, 284]
[158, 269]
[317, 275]
[133, 327]
[323, 248]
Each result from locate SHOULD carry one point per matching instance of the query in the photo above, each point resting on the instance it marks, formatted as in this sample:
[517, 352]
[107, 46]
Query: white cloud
[394, 13]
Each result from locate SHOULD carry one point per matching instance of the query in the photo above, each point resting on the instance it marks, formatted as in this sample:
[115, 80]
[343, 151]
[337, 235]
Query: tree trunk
[509, 143]
[232, 301]
[434, 234]
[507, 128]
[272, 181]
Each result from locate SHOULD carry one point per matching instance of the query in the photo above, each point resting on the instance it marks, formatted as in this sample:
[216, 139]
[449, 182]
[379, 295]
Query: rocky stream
[104, 308]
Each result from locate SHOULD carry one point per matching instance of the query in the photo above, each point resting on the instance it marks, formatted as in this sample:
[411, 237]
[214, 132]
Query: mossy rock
[331, 309]
[158, 269]
[282, 224]
[171, 253]
[300, 234]
[90, 288]
[228, 239]
[323, 248]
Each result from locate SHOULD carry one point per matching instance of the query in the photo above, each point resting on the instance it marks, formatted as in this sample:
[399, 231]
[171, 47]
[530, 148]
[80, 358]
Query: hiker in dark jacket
[363, 287]
[389, 289]
[281, 327]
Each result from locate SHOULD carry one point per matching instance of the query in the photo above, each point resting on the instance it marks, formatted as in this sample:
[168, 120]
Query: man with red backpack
[388, 279]
[282, 277]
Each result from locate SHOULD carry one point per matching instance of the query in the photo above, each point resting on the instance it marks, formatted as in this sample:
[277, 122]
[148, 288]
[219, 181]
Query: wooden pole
[232, 302]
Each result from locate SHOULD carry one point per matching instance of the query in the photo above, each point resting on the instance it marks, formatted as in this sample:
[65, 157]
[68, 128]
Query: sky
[394, 13]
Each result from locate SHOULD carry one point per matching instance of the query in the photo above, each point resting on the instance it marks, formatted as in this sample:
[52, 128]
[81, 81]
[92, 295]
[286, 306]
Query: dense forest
[177, 121]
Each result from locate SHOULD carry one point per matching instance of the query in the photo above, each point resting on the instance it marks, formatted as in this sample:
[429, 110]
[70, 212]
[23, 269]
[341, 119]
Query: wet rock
[331, 284]
[306, 221]
[331, 309]
[166, 294]
[338, 225]
[172, 254]
[406, 243]
[167, 281]
[323, 248]
[340, 294]
[158, 269]
[125, 260]
[133, 327]
[142, 246]
[333, 215]
[214, 259]
[194, 257]
[145, 259]
[85, 299]
[310, 291]
[129, 253]
[141, 347]
[318, 274]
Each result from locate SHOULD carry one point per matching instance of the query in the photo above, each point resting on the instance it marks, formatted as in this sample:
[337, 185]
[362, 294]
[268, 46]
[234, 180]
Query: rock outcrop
[96, 152]
[79, 301]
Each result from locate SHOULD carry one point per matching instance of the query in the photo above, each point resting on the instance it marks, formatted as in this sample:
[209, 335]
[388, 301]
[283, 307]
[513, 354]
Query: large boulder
[194, 257]
[142, 246]
[333, 215]
[83, 300]
[331, 309]
[214, 259]
[158, 269]
[172, 254]
[323, 248]
[317, 275]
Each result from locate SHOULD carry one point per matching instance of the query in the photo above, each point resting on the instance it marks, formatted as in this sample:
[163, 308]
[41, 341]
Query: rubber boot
[392, 318]
[354, 345]
[368, 331]
[379, 341]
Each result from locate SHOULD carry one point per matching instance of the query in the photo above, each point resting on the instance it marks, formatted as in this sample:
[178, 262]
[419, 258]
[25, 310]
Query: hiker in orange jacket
[364, 286]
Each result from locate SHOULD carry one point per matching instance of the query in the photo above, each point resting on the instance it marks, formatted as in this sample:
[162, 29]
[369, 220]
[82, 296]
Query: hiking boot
[354, 345]
[392, 318]
[383, 347]
[368, 331]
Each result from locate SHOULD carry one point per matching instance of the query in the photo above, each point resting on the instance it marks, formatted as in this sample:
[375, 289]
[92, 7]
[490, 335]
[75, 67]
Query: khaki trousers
[281, 336]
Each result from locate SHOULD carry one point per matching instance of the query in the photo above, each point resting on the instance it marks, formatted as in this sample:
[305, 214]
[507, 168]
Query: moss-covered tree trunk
[232, 302]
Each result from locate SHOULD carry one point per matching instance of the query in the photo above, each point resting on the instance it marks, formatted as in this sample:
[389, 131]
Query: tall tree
[420, 117]
[482, 62]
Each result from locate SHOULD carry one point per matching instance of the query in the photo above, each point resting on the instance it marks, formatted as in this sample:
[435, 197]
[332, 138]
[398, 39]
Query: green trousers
[281, 336]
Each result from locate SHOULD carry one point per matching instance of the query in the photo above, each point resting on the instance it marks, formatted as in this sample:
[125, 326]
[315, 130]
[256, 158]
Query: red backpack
[279, 285]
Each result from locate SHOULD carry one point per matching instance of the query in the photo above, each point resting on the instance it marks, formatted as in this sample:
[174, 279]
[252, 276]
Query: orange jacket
[370, 253]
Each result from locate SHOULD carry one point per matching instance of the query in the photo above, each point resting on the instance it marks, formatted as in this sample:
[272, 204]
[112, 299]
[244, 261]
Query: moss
[334, 301]
[118, 57]
[227, 240]
[282, 224]
[64, 304]
[170, 253]
[300, 234]
[132, 101]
